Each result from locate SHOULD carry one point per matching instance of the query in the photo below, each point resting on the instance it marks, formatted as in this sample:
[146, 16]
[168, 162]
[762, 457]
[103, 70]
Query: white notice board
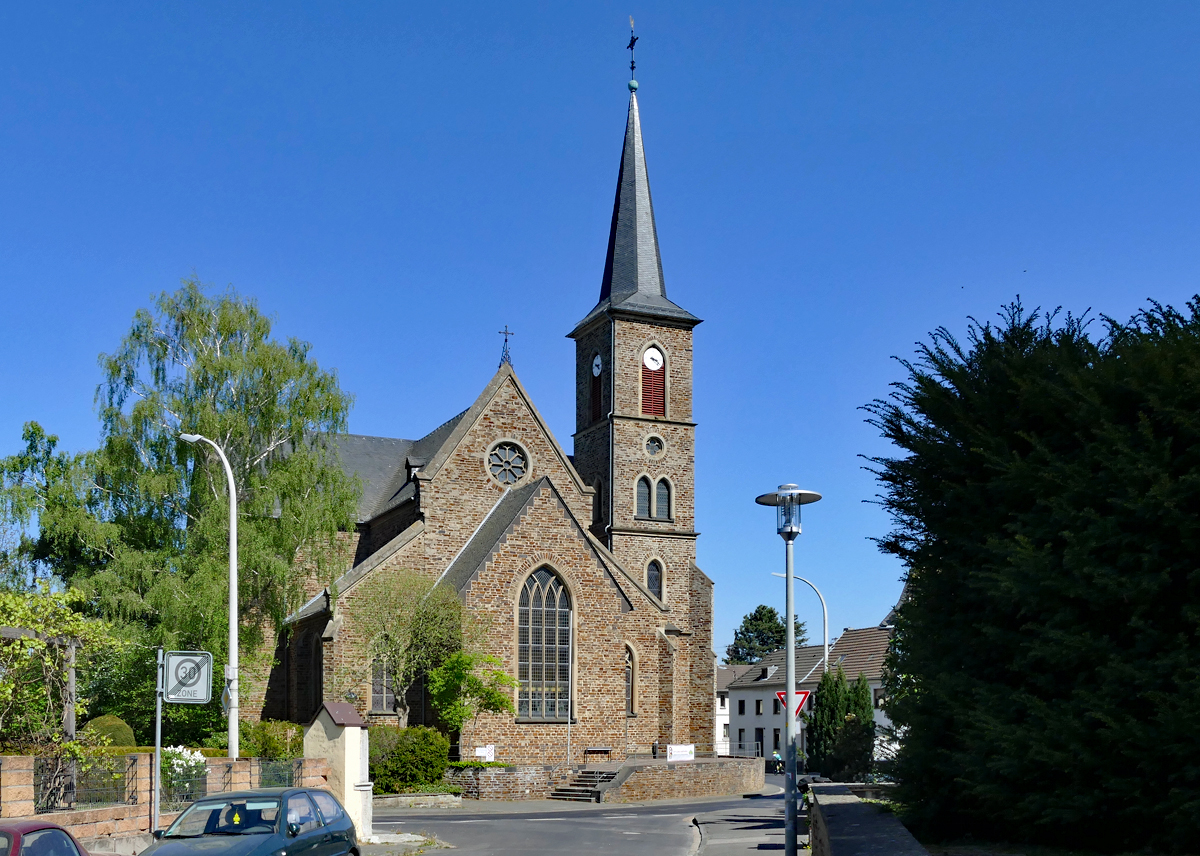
[681, 752]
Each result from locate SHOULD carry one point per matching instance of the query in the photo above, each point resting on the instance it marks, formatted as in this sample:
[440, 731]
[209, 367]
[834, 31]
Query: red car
[35, 837]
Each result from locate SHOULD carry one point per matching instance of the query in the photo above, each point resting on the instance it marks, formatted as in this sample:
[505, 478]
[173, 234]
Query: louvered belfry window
[544, 648]
[596, 398]
[654, 391]
[643, 497]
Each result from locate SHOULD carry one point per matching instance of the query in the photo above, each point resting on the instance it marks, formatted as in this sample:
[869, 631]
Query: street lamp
[231, 669]
[787, 500]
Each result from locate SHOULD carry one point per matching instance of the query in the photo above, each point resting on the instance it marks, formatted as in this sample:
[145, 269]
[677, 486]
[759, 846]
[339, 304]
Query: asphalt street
[653, 829]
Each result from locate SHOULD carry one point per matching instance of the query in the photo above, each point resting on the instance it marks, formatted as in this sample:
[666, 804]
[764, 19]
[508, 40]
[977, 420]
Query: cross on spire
[629, 47]
[505, 356]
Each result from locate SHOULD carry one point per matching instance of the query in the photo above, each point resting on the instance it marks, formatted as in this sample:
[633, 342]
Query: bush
[271, 739]
[404, 758]
[114, 728]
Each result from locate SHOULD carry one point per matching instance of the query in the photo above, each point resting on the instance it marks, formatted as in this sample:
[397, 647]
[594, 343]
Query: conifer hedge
[1046, 663]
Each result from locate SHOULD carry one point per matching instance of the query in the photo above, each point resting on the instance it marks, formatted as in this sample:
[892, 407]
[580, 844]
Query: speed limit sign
[188, 678]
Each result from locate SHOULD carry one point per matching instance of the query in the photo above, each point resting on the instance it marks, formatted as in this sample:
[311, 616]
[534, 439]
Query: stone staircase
[583, 786]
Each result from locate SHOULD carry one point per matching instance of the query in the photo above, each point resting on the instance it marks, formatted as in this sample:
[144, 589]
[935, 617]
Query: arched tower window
[662, 500]
[654, 382]
[643, 497]
[597, 391]
[630, 682]
[598, 503]
[654, 577]
[544, 648]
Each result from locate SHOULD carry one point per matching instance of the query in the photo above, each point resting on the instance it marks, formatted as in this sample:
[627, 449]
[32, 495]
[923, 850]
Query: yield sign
[801, 696]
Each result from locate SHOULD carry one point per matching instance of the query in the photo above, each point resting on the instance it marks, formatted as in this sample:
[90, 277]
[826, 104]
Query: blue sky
[396, 183]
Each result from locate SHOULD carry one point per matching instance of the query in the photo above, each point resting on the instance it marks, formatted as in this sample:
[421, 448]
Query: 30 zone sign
[188, 678]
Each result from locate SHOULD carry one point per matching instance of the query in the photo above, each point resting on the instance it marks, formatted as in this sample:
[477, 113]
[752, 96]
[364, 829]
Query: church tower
[634, 437]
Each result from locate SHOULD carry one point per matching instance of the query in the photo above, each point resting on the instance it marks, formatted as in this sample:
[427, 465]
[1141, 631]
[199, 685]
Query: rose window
[507, 463]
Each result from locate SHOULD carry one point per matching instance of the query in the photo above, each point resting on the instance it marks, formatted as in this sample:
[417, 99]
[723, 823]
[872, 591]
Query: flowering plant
[181, 767]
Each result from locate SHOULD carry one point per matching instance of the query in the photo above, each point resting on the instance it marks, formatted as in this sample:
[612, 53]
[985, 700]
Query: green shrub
[112, 727]
[403, 758]
[271, 739]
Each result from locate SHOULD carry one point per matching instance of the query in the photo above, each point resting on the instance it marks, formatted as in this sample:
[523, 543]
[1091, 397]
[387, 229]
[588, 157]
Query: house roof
[860, 651]
[725, 674]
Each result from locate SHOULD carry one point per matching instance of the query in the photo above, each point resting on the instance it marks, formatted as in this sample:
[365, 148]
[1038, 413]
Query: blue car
[265, 822]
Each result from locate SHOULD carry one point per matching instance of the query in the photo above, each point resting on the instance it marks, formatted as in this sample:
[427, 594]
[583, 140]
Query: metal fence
[277, 773]
[65, 784]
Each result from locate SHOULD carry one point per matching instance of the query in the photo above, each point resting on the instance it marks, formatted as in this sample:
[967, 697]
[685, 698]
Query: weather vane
[505, 356]
[629, 47]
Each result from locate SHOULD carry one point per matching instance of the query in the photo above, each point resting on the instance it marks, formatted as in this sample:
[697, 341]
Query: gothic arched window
[630, 682]
[383, 690]
[654, 580]
[643, 497]
[662, 500]
[598, 503]
[544, 648]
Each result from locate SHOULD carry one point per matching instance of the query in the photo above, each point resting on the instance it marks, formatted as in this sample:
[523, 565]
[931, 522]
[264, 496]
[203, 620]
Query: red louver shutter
[654, 401]
[596, 393]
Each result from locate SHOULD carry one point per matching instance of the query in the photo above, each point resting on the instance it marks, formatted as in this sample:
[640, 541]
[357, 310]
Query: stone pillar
[339, 734]
[16, 786]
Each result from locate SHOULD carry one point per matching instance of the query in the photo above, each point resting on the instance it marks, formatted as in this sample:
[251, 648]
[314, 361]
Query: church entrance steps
[585, 785]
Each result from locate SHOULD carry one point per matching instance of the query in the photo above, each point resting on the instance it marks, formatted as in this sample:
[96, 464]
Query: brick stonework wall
[702, 778]
[530, 782]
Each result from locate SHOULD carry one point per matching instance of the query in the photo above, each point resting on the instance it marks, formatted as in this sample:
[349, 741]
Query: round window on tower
[654, 446]
[507, 463]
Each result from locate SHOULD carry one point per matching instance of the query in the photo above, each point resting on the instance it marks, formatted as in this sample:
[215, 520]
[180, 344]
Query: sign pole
[158, 699]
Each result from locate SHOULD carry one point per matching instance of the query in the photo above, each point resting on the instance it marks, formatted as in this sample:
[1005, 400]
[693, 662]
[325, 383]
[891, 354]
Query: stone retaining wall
[525, 782]
[700, 778]
[840, 824]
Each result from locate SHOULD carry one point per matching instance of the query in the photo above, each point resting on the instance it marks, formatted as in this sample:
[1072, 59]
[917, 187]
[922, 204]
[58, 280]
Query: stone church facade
[582, 567]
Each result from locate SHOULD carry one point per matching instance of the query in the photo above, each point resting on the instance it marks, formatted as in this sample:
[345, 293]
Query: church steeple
[633, 276]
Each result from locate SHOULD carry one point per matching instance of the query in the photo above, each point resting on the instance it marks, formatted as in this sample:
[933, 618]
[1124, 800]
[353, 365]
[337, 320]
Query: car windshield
[235, 816]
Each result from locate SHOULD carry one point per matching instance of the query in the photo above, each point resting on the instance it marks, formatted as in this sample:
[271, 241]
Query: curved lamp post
[231, 670]
[787, 500]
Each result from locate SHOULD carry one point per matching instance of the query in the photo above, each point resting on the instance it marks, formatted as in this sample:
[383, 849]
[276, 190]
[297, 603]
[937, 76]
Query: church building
[582, 567]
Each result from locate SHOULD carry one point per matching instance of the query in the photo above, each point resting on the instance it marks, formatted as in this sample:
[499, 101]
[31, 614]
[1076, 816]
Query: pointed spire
[633, 276]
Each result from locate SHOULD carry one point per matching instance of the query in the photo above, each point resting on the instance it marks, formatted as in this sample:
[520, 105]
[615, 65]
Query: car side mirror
[293, 829]
[158, 833]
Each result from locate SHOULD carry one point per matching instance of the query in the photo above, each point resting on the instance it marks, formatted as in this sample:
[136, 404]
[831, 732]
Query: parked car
[264, 822]
[37, 838]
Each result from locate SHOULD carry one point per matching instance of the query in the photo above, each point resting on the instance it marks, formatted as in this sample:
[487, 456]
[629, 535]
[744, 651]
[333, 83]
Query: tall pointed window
[643, 497]
[630, 685]
[383, 692]
[662, 500]
[544, 648]
[654, 579]
[654, 383]
[598, 504]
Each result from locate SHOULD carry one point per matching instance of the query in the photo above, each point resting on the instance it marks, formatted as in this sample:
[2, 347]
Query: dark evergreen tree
[1047, 510]
[762, 632]
[854, 746]
[825, 722]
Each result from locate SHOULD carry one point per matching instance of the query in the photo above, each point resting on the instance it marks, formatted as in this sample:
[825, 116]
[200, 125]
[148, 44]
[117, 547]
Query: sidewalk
[756, 826]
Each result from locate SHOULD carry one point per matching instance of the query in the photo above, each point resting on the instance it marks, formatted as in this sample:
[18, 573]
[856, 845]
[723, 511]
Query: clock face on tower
[653, 359]
[597, 365]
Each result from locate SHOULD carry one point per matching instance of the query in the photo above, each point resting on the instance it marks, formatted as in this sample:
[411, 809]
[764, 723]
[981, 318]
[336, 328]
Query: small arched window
[662, 500]
[596, 396]
[630, 682]
[654, 581]
[598, 503]
[544, 648]
[643, 497]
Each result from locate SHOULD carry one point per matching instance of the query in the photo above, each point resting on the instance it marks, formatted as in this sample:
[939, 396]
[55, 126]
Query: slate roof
[856, 651]
[633, 277]
[380, 463]
[491, 533]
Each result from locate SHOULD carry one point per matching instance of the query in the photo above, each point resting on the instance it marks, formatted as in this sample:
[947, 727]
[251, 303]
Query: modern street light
[787, 500]
[231, 670]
